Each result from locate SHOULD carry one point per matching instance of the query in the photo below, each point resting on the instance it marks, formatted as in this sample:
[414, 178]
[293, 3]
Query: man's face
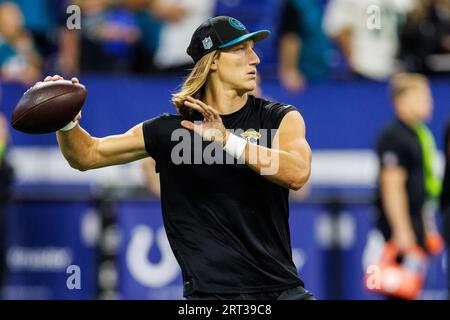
[418, 102]
[236, 67]
[422, 103]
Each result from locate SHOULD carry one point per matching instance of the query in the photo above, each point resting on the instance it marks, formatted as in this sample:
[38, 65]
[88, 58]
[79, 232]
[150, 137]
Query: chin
[246, 89]
[251, 86]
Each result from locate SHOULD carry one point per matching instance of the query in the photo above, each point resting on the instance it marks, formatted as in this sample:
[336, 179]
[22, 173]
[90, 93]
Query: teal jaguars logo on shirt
[236, 24]
[251, 136]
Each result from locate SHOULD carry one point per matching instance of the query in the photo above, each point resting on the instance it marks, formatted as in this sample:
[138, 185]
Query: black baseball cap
[218, 33]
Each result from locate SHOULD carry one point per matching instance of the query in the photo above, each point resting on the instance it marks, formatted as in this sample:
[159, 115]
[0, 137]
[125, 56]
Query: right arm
[395, 203]
[84, 152]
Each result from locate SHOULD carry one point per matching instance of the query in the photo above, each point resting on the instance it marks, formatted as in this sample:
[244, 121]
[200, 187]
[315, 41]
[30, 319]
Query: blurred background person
[152, 16]
[370, 52]
[19, 59]
[68, 55]
[40, 19]
[304, 51]
[425, 38]
[404, 156]
[150, 28]
[445, 195]
[180, 22]
[107, 38]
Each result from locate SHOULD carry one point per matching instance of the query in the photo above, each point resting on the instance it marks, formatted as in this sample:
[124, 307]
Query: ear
[214, 64]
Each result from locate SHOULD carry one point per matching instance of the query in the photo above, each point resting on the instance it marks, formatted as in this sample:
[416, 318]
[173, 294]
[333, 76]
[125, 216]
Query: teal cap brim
[256, 36]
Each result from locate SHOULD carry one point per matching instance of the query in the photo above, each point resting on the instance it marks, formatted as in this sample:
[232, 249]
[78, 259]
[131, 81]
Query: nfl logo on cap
[207, 43]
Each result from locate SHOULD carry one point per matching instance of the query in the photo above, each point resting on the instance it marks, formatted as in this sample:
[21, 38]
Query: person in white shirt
[175, 35]
[367, 32]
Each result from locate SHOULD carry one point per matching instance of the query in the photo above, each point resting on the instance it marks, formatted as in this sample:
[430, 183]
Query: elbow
[78, 165]
[298, 180]
[297, 184]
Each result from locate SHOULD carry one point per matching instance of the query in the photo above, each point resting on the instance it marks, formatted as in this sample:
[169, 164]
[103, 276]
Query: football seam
[31, 109]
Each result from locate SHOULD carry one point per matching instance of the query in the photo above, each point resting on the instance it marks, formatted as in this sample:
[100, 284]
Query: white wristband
[69, 126]
[235, 146]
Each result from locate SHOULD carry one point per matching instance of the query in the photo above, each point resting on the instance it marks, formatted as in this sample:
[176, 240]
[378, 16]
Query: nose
[254, 59]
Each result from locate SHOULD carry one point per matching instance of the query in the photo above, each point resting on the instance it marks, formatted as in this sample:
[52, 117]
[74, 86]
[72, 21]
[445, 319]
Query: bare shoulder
[293, 122]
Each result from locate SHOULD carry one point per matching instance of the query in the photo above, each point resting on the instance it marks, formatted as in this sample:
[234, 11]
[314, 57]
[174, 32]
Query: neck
[224, 100]
[407, 119]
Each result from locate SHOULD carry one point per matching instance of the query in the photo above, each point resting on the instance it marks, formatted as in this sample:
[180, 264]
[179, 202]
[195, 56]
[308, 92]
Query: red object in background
[403, 279]
[434, 243]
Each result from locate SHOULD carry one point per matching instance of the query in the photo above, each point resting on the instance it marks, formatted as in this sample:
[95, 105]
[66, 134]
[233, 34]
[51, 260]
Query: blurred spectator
[108, 36]
[150, 28]
[370, 52]
[68, 59]
[304, 49]
[445, 195]
[19, 61]
[40, 19]
[425, 38]
[176, 32]
[405, 151]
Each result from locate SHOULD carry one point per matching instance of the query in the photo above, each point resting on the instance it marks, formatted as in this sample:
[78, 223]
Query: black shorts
[297, 293]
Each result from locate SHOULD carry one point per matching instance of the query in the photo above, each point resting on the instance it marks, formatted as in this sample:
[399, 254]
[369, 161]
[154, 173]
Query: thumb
[187, 124]
[191, 126]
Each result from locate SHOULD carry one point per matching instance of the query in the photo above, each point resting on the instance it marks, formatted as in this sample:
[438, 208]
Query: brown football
[48, 106]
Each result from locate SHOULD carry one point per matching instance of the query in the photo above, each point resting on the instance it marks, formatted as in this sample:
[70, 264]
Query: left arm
[287, 163]
[289, 160]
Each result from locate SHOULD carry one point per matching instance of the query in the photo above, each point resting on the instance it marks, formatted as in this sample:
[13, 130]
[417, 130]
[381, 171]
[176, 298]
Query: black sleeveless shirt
[227, 225]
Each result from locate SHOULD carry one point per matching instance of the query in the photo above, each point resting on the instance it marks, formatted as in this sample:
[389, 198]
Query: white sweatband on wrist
[69, 126]
[235, 146]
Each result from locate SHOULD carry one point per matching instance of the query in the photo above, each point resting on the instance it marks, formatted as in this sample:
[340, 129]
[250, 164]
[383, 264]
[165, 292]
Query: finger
[196, 102]
[75, 80]
[187, 124]
[214, 112]
[196, 107]
[210, 109]
[48, 78]
[198, 129]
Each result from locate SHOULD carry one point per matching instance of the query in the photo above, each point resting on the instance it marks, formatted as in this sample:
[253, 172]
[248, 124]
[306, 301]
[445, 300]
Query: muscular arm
[288, 162]
[84, 152]
[395, 203]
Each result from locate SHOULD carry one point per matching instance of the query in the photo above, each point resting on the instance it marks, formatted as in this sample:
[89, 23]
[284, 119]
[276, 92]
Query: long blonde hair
[194, 83]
